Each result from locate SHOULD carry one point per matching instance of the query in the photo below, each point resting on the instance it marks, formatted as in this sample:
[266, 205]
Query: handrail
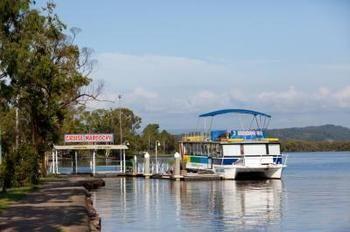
[285, 160]
[240, 160]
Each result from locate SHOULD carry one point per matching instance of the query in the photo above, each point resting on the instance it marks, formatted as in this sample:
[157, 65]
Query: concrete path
[56, 206]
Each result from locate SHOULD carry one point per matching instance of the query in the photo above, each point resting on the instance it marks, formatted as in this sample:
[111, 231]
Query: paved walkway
[54, 207]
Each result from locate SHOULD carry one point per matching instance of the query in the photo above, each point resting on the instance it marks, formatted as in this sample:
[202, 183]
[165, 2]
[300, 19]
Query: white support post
[177, 172]
[53, 162]
[56, 161]
[94, 162]
[120, 161]
[76, 162]
[124, 169]
[157, 157]
[135, 165]
[147, 171]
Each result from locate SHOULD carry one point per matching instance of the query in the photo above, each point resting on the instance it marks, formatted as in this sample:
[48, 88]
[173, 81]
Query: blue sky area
[172, 60]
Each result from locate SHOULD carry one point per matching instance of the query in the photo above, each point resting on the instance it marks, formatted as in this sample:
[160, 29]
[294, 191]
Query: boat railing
[196, 137]
[285, 156]
[240, 161]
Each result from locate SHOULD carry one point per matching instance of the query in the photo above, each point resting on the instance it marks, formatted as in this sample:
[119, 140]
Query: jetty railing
[164, 165]
[84, 166]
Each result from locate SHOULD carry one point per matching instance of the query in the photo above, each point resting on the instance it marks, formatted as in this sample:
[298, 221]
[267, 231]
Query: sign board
[246, 134]
[91, 147]
[88, 138]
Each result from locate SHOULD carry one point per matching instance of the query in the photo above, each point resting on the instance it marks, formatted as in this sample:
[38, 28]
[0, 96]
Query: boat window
[198, 149]
[274, 149]
[254, 149]
[231, 150]
[216, 150]
[212, 149]
[207, 149]
[188, 148]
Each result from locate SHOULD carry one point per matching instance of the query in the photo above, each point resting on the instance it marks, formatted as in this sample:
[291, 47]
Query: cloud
[287, 100]
[165, 88]
[283, 100]
[296, 100]
[140, 93]
[180, 111]
[323, 92]
[153, 71]
[343, 97]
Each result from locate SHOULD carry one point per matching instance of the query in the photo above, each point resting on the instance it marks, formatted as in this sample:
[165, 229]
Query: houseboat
[234, 153]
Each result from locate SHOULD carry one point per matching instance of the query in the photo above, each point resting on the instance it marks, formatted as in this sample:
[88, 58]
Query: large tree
[42, 72]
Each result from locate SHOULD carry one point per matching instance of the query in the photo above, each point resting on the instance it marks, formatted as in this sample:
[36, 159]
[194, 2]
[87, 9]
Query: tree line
[327, 132]
[310, 146]
[42, 77]
[44, 85]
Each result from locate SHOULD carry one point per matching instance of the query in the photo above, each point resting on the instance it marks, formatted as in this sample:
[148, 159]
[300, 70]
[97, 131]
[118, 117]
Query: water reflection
[139, 204]
[231, 204]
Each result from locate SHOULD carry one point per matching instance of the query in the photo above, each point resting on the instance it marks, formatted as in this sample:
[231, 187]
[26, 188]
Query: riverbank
[59, 204]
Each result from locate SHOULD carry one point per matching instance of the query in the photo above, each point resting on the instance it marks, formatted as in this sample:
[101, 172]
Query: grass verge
[51, 178]
[13, 195]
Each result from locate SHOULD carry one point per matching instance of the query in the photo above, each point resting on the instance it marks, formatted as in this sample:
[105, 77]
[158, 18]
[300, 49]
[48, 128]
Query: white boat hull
[239, 171]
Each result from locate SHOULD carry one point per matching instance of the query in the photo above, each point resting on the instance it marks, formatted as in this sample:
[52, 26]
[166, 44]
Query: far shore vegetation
[313, 138]
[311, 146]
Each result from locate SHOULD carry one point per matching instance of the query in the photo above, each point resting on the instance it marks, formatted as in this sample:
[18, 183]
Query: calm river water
[314, 195]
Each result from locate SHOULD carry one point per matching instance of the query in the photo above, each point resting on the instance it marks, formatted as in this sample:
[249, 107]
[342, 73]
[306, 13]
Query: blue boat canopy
[238, 111]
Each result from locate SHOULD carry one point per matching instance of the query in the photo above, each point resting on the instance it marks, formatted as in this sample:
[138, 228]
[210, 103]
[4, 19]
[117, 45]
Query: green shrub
[27, 170]
[20, 167]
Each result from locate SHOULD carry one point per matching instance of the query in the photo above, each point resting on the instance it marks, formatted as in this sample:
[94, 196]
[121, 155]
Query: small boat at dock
[234, 154]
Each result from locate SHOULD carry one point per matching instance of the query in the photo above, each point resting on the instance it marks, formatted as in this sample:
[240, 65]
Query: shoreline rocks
[90, 183]
[95, 219]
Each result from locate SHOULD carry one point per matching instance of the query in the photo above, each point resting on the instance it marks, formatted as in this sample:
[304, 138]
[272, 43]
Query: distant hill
[312, 133]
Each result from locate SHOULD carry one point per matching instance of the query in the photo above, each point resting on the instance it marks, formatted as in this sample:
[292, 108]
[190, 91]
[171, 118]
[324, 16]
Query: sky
[173, 60]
